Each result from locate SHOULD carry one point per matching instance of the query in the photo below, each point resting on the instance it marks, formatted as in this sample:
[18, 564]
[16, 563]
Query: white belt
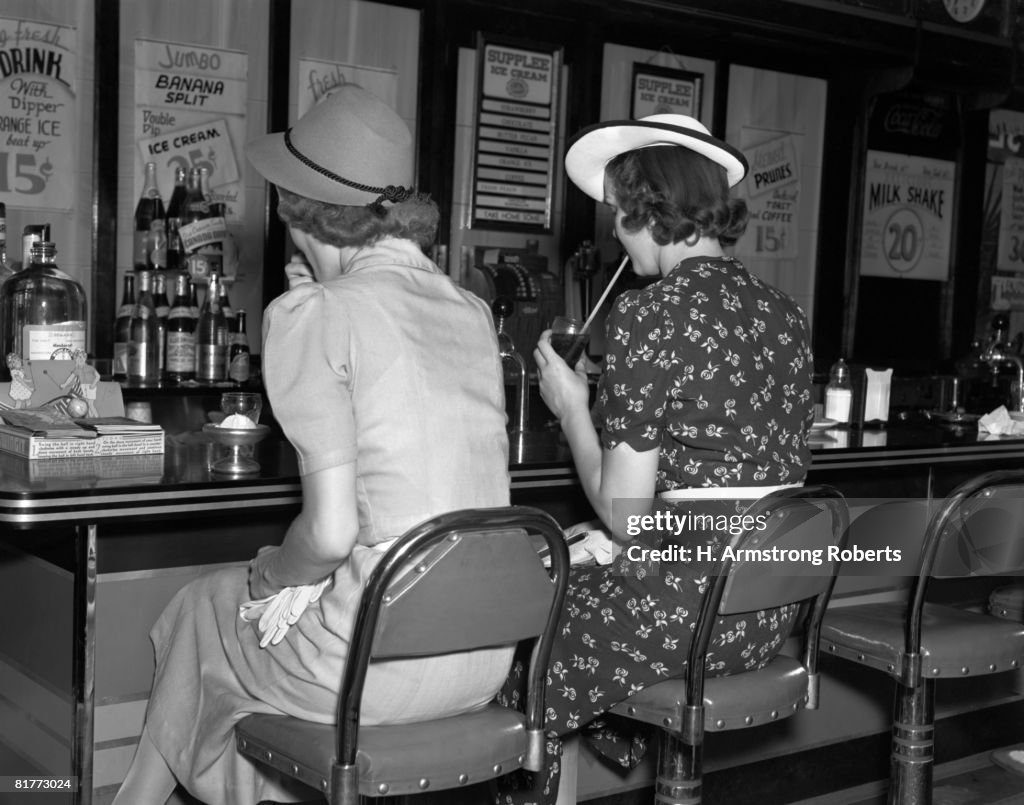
[723, 492]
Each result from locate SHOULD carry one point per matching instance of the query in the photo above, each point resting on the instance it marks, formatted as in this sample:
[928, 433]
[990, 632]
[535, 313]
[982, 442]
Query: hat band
[391, 193]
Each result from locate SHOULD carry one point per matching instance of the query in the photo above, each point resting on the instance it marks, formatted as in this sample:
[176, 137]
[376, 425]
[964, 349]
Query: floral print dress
[713, 368]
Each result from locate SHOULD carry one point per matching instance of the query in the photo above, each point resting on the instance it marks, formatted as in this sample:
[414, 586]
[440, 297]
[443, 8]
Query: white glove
[277, 613]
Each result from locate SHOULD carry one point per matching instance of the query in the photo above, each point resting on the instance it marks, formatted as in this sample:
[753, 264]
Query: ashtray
[236, 438]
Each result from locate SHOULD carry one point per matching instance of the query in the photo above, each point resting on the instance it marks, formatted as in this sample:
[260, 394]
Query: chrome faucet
[996, 353]
[502, 309]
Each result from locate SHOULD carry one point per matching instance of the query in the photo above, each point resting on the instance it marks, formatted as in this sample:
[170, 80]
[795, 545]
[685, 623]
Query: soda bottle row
[178, 342]
[189, 234]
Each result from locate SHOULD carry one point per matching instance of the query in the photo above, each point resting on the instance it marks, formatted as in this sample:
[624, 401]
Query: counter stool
[813, 517]
[480, 583]
[977, 531]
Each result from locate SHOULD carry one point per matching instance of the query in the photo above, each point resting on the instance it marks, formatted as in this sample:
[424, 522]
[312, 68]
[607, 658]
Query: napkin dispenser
[871, 391]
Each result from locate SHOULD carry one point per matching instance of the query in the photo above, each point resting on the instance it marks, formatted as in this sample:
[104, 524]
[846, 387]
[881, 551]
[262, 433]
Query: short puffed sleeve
[634, 390]
[307, 373]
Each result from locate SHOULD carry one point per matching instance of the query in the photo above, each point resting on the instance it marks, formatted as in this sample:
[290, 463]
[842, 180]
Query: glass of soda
[568, 338]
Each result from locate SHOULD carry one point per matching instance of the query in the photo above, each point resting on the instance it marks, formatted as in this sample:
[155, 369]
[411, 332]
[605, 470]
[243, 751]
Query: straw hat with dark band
[597, 145]
[351, 149]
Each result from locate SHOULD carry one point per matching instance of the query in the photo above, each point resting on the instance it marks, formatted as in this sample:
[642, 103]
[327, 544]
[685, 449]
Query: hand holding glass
[568, 338]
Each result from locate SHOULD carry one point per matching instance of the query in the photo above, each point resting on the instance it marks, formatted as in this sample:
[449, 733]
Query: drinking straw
[604, 296]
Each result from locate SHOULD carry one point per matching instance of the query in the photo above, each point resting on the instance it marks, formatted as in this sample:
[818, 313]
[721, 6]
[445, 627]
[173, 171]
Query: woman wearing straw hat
[707, 383]
[368, 325]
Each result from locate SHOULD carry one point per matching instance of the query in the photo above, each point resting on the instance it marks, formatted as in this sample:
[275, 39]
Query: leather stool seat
[730, 702]
[954, 642]
[1008, 602]
[393, 760]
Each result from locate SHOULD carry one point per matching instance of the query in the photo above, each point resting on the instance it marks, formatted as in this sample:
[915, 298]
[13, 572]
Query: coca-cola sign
[913, 121]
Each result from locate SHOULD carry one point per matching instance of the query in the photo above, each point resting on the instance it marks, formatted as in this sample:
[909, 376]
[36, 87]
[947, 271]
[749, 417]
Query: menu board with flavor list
[515, 136]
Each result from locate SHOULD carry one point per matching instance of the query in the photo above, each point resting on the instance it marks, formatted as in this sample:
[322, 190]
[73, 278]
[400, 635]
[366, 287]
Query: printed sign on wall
[318, 79]
[190, 113]
[37, 114]
[515, 137]
[662, 91]
[772, 193]
[908, 208]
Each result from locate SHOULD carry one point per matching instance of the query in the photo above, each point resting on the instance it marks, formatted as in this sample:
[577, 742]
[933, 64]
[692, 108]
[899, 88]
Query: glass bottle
[211, 336]
[5, 267]
[175, 213]
[30, 236]
[225, 305]
[239, 357]
[193, 300]
[43, 310]
[150, 208]
[180, 362]
[163, 309]
[839, 394]
[122, 325]
[144, 335]
[202, 233]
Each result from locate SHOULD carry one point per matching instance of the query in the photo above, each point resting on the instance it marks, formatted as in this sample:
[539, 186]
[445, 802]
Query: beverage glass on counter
[568, 338]
[246, 403]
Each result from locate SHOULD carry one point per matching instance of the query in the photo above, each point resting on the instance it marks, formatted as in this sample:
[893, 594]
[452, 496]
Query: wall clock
[963, 10]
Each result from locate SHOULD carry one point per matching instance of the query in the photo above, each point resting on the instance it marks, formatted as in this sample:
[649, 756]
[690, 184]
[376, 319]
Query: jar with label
[839, 394]
[43, 310]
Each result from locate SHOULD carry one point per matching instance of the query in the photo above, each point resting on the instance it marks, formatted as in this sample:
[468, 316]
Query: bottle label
[211, 360]
[120, 358]
[139, 247]
[58, 342]
[144, 361]
[239, 369]
[125, 311]
[181, 353]
[204, 232]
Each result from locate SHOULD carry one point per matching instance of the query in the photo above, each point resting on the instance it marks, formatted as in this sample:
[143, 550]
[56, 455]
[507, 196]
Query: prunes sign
[515, 136]
[772, 193]
[38, 131]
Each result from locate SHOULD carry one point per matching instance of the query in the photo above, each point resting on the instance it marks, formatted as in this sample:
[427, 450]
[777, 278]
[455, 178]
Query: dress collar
[391, 252]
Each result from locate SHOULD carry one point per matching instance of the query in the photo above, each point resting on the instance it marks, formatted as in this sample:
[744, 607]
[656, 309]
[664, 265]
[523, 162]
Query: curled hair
[414, 219]
[681, 194]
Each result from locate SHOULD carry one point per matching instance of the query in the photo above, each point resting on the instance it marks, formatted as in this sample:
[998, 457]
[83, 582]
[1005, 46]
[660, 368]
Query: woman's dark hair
[683, 195]
[414, 219]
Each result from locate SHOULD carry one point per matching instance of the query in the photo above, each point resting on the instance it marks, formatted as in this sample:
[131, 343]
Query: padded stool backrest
[985, 535]
[472, 589]
[790, 553]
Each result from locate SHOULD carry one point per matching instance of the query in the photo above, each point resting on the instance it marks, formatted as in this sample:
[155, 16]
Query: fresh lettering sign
[37, 114]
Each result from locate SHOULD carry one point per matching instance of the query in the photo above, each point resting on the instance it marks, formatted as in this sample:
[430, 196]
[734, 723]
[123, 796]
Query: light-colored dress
[394, 367]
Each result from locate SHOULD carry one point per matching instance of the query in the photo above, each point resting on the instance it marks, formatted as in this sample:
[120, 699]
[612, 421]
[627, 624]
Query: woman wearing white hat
[386, 378]
[707, 383]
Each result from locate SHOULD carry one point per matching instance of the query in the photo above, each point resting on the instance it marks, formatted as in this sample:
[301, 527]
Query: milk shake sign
[907, 213]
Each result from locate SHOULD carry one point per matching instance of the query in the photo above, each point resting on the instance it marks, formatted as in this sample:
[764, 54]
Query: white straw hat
[351, 148]
[595, 146]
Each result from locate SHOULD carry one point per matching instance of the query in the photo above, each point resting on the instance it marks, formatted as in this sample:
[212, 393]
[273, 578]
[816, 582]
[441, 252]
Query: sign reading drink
[515, 136]
[38, 131]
